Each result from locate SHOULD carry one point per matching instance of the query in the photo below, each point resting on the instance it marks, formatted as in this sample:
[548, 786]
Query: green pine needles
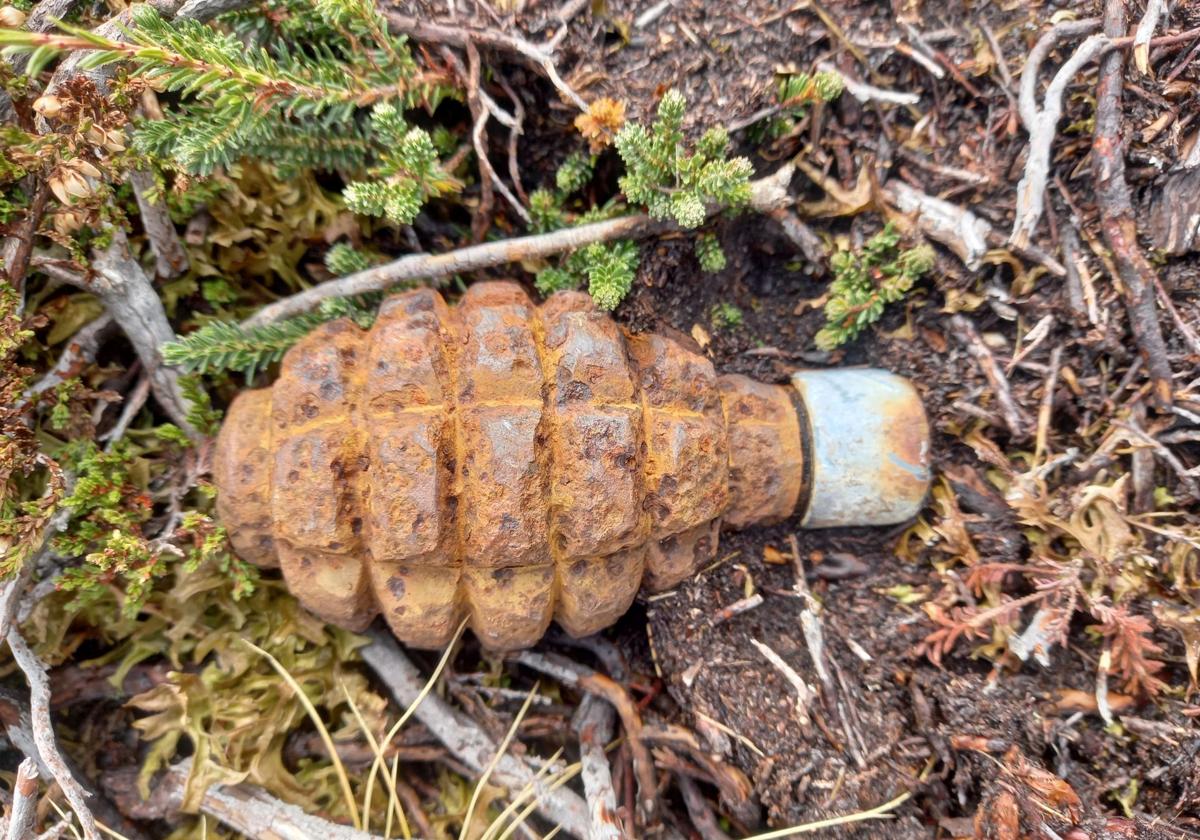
[250, 93]
[865, 283]
[673, 182]
[221, 345]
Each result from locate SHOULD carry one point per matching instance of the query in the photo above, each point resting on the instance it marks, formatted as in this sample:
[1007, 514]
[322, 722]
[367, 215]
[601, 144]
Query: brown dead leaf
[999, 819]
[774, 557]
[837, 201]
[1053, 792]
[1071, 700]
[701, 336]
[935, 340]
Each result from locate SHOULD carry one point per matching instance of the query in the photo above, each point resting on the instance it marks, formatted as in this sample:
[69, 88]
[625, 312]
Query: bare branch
[129, 296]
[1155, 9]
[169, 254]
[766, 194]
[1117, 220]
[1016, 420]
[1042, 126]
[43, 732]
[24, 805]
[78, 354]
[585, 679]
[594, 725]
[465, 739]
[460, 36]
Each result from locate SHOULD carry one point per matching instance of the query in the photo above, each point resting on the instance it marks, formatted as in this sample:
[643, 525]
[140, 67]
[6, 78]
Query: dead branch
[960, 230]
[1145, 31]
[804, 692]
[800, 234]
[171, 259]
[767, 194]
[1116, 213]
[1042, 126]
[17, 249]
[80, 352]
[864, 92]
[245, 808]
[24, 804]
[585, 679]
[593, 725]
[697, 807]
[1027, 99]
[43, 732]
[461, 36]
[737, 793]
[130, 407]
[1018, 424]
[514, 133]
[118, 280]
[465, 739]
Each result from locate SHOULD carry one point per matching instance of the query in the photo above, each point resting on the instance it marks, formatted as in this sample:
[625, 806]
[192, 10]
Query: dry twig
[703, 820]
[804, 692]
[245, 808]
[43, 732]
[118, 280]
[24, 803]
[593, 725]
[1042, 124]
[585, 679]
[171, 260]
[767, 194]
[1116, 213]
[1014, 417]
[461, 36]
[79, 352]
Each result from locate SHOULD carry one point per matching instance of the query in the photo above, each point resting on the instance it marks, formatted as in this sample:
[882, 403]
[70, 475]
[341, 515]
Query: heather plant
[865, 282]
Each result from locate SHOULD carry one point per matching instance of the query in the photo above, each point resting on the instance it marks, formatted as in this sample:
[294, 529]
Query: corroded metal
[868, 447]
[509, 463]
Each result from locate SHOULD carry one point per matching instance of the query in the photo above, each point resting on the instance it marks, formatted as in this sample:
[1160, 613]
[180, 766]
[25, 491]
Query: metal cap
[869, 447]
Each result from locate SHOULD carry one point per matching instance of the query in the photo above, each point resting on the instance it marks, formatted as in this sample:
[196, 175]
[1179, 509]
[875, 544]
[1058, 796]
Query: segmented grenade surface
[510, 462]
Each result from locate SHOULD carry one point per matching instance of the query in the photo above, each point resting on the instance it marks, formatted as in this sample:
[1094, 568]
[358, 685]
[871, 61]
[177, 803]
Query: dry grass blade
[389, 775]
[491, 766]
[879, 812]
[326, 739]
[408, 713]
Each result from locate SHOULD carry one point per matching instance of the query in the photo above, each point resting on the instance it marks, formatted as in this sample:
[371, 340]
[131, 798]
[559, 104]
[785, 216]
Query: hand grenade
[516, 464]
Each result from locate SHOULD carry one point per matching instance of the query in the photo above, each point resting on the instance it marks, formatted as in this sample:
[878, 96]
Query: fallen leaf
[1071, 700]
[774, 556]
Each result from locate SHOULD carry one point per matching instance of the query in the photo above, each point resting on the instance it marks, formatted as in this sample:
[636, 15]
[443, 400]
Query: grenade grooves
[497, 460]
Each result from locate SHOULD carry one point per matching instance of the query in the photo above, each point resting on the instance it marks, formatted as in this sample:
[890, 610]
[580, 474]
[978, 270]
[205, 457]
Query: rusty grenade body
[517, 464]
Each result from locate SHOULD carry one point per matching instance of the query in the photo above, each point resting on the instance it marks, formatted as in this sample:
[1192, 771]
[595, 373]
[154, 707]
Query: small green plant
[864, 283]
[343, 259]
[795, 92]
[709, 253]
[725, 316]
[673, 182]
[608, 268]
